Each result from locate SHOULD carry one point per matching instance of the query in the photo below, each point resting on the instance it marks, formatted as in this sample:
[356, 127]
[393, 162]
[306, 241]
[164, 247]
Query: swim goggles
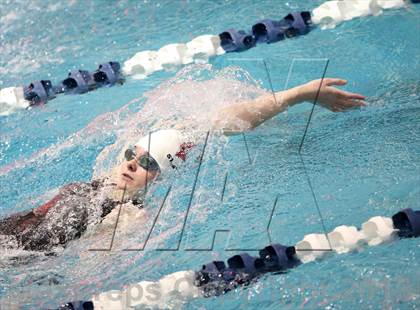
[145, 161]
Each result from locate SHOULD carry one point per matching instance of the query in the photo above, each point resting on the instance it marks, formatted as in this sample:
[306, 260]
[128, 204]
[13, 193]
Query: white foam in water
[166, 105]
[142, 64]
[331, 13]
[12, 99]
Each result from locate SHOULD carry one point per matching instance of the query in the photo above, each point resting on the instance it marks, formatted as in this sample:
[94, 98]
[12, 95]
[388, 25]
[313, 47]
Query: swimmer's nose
[132, 165]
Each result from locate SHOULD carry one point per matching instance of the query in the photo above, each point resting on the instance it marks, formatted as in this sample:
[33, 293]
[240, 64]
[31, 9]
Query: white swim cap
[167, 147]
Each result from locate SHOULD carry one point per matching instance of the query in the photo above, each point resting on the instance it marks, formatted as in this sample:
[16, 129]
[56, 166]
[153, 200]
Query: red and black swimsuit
[65, 217]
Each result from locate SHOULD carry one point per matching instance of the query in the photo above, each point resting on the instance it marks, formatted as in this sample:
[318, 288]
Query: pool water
[360, 163]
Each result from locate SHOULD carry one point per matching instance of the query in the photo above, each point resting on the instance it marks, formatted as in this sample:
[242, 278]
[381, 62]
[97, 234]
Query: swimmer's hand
[243, 116]
[330, 97]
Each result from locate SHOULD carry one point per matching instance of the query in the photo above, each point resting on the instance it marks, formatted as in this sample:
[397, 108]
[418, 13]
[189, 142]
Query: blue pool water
[361, 163]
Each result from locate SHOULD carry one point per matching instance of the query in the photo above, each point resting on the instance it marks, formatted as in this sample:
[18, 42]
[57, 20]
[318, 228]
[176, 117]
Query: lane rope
[217, 277]
[198, 50]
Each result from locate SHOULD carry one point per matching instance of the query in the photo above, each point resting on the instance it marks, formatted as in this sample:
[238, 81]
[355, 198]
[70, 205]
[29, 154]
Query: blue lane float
[39, 92]
[108, 74]
[77, 82]
[233, 40]
[277, 257]
[214, 267]
[268, 31]
[407, 222]
[298, 23]
[271, 31]
[245, 263]
[78, 305]
[217, 278]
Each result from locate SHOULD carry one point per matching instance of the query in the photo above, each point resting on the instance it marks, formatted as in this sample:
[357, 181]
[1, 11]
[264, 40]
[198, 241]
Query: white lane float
[198, 50]
[173, 55]
[331, 13]
[312, 246]
[378, 230]
[12, 99]
[345, 239]
[169, 292]
[142, 64]
[204, 47]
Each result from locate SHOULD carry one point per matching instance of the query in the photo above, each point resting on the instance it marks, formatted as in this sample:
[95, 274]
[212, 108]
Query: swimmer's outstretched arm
[244, 116]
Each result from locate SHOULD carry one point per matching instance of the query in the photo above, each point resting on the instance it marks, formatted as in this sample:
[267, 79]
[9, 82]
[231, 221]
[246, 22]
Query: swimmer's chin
[120, 186]
[122, 183]
[127, 185]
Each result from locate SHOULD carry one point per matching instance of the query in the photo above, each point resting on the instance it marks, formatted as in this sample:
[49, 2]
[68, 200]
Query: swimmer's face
[133, 177]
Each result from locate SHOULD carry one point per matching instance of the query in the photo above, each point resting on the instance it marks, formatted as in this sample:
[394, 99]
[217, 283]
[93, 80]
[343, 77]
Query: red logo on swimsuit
[184, 148]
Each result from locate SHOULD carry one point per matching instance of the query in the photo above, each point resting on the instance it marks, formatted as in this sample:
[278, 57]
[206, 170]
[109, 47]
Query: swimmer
[80, 205]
